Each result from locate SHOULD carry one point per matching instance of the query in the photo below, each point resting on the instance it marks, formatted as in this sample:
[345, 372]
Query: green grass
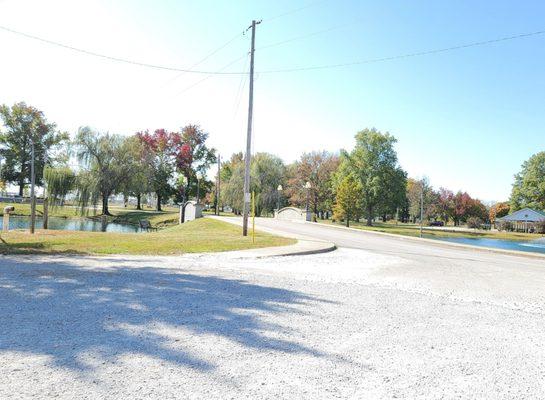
[202, 235]
[414, 230]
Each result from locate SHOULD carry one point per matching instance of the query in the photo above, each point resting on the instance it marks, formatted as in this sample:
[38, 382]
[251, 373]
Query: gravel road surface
[417, 322]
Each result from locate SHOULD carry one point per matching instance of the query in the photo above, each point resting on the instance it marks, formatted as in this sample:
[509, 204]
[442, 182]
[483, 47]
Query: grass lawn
[414, 230]
[202, 235]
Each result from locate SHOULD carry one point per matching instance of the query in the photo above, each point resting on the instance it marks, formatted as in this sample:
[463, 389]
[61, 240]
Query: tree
[194, 156]
[348, 200]
[529, 186]
[139, 183]
[445, 205]
[318, 169]
[25, 125]
[106, 164]
[498, 210]
[266, 173]
[160, 152]
[232, 181]
[373, 162]
[60, 181]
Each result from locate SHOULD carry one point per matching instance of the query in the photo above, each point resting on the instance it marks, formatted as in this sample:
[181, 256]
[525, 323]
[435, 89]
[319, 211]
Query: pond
[533, 246]
[71, 224]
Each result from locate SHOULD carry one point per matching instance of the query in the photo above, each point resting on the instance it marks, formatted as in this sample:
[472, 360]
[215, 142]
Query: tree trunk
[21, 186]
[347, 220]
[105, 210]
[158, 207]
[369, 216]
[138, 201]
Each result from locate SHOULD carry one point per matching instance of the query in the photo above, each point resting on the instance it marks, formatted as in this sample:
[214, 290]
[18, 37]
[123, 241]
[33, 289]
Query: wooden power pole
[246, 208]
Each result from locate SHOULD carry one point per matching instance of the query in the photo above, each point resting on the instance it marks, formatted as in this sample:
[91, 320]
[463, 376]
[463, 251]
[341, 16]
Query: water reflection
[72, 224]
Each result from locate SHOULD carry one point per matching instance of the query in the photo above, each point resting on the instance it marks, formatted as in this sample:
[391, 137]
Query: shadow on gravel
[81, 317]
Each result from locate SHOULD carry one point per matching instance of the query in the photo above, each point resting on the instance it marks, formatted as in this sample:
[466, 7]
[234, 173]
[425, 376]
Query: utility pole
[246, 208]
[32, 194]
[218, 187]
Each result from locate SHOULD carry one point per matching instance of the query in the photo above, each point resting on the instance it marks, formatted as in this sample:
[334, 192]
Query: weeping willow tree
[60, 181]
[88, 191]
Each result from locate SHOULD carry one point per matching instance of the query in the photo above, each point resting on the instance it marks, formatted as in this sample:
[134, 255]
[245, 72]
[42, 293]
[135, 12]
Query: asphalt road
[441, 267]
[406, 247]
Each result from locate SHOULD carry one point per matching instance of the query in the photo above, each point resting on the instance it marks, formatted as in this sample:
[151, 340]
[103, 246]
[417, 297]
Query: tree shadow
[49, 306]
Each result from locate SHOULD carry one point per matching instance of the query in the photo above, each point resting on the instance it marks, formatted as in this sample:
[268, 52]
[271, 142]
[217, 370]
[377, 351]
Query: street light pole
[198, 188]
[46, 199]
[32, 194]
[278, 193]
[307, 186]
[421, 207]
[218, 192]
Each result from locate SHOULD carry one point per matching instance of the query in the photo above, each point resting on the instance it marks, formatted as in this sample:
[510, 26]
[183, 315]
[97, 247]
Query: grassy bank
[414, 230]
[202, 235]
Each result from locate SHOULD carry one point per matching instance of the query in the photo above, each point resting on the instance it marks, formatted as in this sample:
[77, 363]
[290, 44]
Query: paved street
[380, 318]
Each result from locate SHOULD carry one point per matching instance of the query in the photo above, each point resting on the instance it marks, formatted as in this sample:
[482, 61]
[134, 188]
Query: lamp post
[199, 177]
[32, 189]
[278, 194]
[307, 187]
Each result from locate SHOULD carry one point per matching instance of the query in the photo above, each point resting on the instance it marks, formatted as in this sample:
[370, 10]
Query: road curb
[303, 246]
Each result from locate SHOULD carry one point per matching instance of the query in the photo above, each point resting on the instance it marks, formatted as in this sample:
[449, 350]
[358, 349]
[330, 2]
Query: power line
[208, 56]
[280, 70]
[284, 14]
[113, 58]
[302, 37]
[218, 72]
[401, 56]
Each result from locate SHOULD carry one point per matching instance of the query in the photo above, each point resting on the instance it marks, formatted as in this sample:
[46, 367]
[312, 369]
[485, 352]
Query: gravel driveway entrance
[346, 324]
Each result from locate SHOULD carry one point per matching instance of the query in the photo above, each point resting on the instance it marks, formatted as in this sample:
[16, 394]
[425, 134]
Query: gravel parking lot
[346, 324]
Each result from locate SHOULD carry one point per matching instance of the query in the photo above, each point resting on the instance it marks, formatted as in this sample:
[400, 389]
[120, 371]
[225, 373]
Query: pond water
[534, 246]
[71, 224]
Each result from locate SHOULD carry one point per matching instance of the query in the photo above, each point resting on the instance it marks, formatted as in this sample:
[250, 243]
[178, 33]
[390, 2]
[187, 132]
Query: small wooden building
[522, 220]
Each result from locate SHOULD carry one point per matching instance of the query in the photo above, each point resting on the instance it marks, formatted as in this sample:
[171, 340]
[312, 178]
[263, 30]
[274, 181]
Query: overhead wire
[222, 71]
[401, 56]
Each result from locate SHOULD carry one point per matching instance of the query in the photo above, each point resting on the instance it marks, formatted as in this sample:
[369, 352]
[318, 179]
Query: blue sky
[466, 118]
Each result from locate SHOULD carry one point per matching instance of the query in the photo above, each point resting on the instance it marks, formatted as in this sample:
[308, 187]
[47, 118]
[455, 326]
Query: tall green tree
[140, 181]
[529, 186]
[348, 200]
[106, 164]
[266, 173]
[373, 163]
[24, 125]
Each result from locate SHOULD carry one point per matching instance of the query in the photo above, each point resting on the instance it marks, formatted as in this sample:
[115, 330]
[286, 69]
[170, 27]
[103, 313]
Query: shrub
[505, 226]
[539, 227]
[474, 222]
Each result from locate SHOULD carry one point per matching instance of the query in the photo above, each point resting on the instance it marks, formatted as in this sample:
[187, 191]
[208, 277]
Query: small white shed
[193, 210]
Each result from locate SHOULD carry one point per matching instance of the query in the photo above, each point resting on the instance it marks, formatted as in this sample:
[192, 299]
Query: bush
[505, 226]
[539, 227]
[474, 222]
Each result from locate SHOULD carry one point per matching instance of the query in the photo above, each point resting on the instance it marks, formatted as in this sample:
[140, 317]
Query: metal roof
[525, 215]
